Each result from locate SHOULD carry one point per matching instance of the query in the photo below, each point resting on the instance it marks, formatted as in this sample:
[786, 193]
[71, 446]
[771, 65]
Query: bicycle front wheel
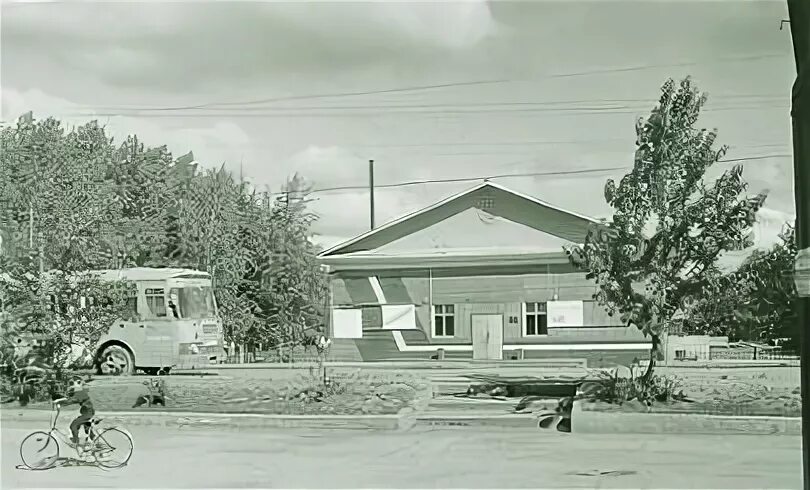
[39, 451]
[112, 448]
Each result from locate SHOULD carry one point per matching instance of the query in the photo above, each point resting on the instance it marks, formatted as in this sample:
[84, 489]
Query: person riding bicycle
[78, 394]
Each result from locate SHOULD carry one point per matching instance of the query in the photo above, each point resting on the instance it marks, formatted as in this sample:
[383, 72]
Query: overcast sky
[524, 87]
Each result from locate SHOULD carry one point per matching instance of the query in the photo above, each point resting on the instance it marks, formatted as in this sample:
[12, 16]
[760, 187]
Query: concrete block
[598, 422]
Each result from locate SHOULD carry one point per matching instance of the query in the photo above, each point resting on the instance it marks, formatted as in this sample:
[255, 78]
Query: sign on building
[565, 314]
[347, 323]
[398, 317]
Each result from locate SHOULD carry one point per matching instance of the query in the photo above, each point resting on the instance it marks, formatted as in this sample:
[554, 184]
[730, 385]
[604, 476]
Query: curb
[596, 422]
[447, 364]
[227, 420]
[583, 421]
[509, 420]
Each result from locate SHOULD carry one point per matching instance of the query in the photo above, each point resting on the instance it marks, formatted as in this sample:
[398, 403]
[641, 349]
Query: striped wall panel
[380, 345]
[359, 291]
[397, 292]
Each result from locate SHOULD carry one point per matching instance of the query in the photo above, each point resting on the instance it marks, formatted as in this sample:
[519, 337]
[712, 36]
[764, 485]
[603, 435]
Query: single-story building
[692, 347]
[482, 275]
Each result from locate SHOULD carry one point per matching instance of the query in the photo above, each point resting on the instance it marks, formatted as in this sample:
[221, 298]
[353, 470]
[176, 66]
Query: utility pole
[799, 11]
[371, 190]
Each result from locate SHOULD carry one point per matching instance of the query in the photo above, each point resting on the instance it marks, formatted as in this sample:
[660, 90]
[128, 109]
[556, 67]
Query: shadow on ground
[63, 462]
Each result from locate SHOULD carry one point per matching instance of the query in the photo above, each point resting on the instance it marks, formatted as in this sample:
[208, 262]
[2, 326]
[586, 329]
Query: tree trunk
[656, 342]
[41, 257]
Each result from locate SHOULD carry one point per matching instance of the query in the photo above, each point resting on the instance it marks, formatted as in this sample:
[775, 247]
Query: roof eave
[371, 262]
[486, 183]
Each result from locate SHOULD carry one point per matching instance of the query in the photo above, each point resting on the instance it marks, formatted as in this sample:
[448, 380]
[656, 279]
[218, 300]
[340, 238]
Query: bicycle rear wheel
[39, 451]
[112, 448]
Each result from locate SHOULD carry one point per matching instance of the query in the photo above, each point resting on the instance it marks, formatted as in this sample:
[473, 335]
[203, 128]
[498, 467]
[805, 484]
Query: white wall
[693, 346]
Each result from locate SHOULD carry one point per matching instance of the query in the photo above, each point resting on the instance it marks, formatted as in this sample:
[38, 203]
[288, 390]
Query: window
[486, 203]
[192, 302]
[131, 306]
[156, 302]
[444, 321]
[536, 319]
[680, 354]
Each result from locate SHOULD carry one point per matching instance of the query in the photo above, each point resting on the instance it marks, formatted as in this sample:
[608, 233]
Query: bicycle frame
[66, 438]
[96, 447]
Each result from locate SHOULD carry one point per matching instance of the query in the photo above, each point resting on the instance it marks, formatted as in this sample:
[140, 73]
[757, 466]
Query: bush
[51, 322]
[647, 390]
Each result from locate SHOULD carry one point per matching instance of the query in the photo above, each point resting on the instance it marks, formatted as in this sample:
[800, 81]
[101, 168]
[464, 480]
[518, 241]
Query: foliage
[48, 329]
[755, 302]
[297, 290]
[645, 389]
[668, 225]
[73, 200]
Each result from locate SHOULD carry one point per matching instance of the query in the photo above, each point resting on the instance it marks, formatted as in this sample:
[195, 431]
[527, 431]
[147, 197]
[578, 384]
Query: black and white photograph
[405, 244]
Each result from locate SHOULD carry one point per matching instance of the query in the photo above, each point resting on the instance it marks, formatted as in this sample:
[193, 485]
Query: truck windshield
[192, 302]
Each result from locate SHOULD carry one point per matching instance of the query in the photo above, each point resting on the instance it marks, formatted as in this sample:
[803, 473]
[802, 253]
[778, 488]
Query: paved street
[444, 458]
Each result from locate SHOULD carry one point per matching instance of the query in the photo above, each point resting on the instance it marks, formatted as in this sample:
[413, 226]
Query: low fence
[753, 354]
[279, 355]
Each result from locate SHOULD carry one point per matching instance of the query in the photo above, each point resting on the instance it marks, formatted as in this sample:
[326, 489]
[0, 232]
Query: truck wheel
[116, 360]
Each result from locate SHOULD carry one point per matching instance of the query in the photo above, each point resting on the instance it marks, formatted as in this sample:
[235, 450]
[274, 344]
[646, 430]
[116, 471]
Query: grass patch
[348, 392]
[735, 394]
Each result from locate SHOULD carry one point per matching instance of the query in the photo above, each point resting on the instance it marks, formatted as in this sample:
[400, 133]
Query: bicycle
[96, 445]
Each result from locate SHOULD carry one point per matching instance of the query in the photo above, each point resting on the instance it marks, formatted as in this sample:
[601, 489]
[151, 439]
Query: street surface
[423, 458]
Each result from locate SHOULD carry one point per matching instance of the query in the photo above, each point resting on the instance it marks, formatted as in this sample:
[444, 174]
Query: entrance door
[487, 337]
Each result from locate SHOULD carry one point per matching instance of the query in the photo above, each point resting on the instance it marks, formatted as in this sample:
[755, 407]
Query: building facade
[479, 275]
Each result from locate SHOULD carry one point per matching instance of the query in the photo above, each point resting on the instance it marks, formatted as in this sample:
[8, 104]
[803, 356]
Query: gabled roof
[409, 223]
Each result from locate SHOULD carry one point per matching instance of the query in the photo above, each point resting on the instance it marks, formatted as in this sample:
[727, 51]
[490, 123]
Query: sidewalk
[596, 422]
[447, 364]
[497, 415]
[222, 420]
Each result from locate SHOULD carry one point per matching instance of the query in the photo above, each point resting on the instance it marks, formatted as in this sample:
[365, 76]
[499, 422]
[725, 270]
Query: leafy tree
[755, 302]
[142, 180]
[716, 313]
[72, 200]
[216, 224]
[669, 226]
[292, 285]
[56, 202]
[65, 314]
[769, 308]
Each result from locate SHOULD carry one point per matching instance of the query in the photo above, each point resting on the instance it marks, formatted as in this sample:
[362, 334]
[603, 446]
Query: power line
[553, 112]
[523, 174]
[496, 143]
[470, 179]
[682, 64]
[535, 143]
[475, 104]
[329, 95]
[761, 157]
[416, 88]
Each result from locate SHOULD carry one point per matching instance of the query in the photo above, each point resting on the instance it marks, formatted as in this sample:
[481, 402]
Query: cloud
[770, 224]
[345, 213]
[329, 166]
[183, 53]
[177, 46]
[765, 234]
[212, 141]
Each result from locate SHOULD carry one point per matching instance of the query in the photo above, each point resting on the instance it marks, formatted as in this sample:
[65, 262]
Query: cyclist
[78, 394]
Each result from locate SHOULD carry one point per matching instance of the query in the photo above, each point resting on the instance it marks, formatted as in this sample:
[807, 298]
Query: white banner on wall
[347, 323]
[565, 314]
[398, 317]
